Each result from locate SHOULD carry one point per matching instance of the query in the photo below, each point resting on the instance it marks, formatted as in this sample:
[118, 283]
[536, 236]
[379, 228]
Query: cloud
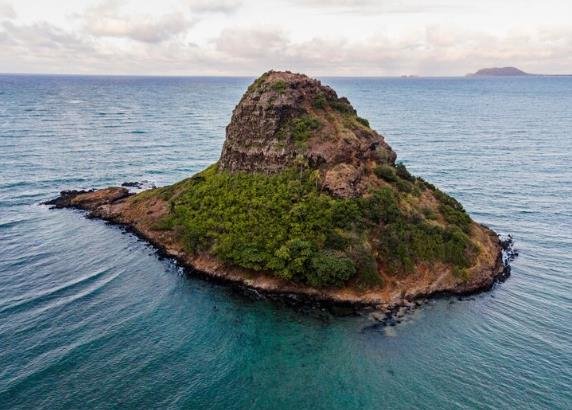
[105, 20]
[380, 7]
[105, 39]
[214, 6]
[434, 50]
[248, 44]
[7, 11]
[41, 37]
[42, 47]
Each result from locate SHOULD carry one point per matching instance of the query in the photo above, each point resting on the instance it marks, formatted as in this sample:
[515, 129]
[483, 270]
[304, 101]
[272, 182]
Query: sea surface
[91, 317]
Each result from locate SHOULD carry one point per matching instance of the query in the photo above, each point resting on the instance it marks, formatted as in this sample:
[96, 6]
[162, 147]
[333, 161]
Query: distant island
[307, 201]
[498, 72]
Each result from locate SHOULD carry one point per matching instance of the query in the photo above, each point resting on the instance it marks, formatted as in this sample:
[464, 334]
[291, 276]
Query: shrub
[258, 82]
[404, 186]
[363, 121]
[302, 127]
[279, 86]
[164, 224]
[403, 173]
[456, 217]
[330, 269]
[320, 102]
[342, 105]
[283, 224]
[428, 213]
[385, 172]
[380, 207]
[366, 266]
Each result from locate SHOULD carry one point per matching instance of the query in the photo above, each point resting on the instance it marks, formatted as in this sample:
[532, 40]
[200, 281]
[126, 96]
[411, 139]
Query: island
[308, 202]
[498, 72]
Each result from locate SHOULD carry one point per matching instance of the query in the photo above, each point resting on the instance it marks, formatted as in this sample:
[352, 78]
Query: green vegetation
[284, 224]
[342, 106]
[403, 173]
[362, 121]
[279, 86]
[320, 101]
[386, 172]
[301, 128]
[258, 82]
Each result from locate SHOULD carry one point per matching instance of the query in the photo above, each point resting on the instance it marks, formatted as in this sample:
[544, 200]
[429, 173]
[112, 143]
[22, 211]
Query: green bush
[366, 266]
[258, 83]
[320, 102]
[456, 217]
[380, 207]
[403, 173]
[385, 172]
[404, 186]
[342, 105]
[428, 213]
[279, 86]
[363, 121]
[284, 224]
[302, 127]
[330, 269]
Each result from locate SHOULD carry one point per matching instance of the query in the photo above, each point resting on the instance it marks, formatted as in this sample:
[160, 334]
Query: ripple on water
[89, 317]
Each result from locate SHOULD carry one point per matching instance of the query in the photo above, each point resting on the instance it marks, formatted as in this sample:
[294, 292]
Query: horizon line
[401, 76]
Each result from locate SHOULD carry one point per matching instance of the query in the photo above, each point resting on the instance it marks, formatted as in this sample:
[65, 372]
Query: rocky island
[498, 72]
[308, 201]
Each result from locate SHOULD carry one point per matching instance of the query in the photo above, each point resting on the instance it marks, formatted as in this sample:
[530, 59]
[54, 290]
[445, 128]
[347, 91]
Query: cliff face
[286, 119]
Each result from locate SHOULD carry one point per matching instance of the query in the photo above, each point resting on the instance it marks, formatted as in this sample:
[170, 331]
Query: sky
[317, 37]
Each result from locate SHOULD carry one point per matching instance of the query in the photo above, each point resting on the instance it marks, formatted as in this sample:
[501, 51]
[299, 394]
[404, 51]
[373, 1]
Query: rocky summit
[308, 200]
[286, 119]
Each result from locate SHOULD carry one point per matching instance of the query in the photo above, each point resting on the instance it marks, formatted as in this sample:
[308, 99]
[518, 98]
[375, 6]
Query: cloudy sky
[319, 37]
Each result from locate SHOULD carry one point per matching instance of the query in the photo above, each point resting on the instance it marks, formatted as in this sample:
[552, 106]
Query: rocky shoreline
[108, 205]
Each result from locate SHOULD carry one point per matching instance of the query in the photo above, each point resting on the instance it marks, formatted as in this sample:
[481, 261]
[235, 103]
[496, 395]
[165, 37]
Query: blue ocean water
[90, 317]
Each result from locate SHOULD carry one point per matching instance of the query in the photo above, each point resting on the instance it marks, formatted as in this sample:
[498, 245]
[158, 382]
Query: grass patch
[302, 127]
[320, 102]
[279, 86]
[385, 172]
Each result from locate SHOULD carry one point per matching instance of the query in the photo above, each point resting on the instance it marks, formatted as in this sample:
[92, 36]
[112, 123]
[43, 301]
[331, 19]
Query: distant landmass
[498, 71]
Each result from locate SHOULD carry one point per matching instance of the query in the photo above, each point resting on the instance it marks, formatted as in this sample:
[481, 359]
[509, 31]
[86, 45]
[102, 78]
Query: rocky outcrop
[396, 237]
[286, 119]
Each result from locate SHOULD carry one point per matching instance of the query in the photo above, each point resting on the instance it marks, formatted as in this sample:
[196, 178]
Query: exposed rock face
[287, 119]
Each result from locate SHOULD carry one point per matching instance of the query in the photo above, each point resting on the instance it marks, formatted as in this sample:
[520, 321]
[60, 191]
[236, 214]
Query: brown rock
[286, 119]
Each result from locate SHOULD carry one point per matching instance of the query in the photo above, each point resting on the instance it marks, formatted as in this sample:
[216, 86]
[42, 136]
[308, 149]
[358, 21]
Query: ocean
[92, 317]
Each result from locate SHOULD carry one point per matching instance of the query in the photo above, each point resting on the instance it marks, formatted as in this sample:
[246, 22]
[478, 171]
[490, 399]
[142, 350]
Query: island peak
[285, 118]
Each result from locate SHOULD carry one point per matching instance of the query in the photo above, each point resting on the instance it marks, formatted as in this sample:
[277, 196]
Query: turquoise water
[90, 317]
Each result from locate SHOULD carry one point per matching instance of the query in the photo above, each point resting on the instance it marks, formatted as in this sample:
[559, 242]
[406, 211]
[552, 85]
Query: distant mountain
[498, 71]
